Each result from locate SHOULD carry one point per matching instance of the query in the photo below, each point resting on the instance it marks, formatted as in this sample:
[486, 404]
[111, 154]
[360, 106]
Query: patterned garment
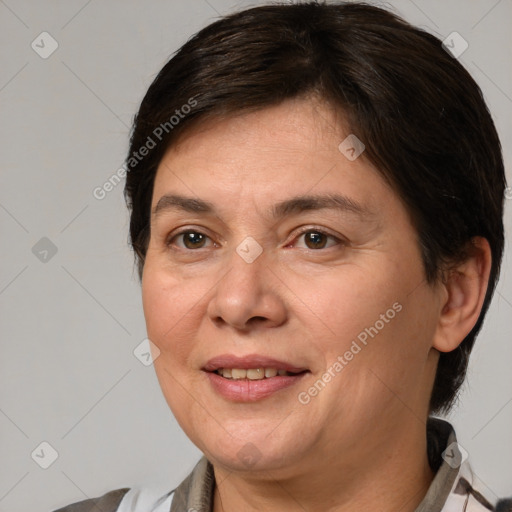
[454, 488]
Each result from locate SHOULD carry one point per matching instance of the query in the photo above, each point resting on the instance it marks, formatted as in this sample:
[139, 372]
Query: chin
[254, 453]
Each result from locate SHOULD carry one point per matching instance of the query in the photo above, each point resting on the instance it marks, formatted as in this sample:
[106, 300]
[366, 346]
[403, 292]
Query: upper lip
[249, 361]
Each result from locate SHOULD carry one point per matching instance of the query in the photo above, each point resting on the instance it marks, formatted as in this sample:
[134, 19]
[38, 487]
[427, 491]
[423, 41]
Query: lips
[244, 388]
[248, 362]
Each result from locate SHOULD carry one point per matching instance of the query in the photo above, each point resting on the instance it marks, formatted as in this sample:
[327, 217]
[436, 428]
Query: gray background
[70, 322]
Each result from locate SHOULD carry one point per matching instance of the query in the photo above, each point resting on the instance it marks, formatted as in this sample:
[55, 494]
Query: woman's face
[269, 241]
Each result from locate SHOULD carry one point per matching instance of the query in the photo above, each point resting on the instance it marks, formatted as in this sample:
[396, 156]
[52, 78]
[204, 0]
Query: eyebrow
[282, 209]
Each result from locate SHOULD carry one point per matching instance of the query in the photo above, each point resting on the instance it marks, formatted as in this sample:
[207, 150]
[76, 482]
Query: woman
[316, 196]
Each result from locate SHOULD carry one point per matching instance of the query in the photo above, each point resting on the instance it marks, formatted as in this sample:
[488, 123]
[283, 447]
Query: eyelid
[188, 229]
[305, 229]
[323, 231]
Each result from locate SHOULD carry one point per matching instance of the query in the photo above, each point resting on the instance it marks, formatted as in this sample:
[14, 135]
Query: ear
[463, 294]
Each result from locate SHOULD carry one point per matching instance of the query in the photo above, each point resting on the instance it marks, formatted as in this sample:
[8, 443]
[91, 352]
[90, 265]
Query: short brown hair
[421, 116]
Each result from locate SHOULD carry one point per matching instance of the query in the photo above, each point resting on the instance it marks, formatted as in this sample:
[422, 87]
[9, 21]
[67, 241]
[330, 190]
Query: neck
[387, 479]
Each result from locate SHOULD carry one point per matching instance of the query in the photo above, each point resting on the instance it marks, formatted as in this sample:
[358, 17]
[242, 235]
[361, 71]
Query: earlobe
[464, 291]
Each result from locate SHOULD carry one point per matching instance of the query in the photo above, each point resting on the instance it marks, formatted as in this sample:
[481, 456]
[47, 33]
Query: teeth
[251, 373]
[238, 374]
[257, 374]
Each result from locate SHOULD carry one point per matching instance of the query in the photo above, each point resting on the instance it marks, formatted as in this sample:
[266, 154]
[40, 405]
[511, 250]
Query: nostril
[257, 319]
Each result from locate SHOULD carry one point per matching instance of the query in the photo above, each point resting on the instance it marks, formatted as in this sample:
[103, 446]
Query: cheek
[156, 301]
[348, 305]
[372, 319]
[170, 307]
[394, 357]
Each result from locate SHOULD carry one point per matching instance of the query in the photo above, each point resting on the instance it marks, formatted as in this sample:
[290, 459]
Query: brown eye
[315, 239]
[193, 240]
[189, 240]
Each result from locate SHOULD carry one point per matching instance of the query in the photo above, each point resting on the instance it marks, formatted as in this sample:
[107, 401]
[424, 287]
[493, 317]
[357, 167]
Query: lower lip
[245, 390]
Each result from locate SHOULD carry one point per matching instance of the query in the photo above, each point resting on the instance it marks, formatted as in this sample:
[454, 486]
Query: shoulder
[155, 498]
[109, 502]
[504, 505]
[455, 488]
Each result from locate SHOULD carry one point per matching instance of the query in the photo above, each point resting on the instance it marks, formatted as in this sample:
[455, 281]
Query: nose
[248, 296]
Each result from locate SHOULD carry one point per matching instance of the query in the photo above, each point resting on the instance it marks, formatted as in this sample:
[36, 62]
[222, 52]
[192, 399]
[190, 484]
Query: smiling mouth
[259, 378]
[254, 373]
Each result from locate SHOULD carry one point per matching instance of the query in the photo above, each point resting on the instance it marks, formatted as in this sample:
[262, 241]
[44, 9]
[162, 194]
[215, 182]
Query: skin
[359, 444]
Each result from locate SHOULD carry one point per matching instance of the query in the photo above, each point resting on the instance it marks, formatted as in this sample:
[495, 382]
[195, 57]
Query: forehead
[295, 148]
[300, 124]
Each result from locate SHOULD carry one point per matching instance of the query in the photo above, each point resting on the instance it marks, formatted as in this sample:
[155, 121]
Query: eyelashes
[313, 236]
[191, 240]
[190, 236]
